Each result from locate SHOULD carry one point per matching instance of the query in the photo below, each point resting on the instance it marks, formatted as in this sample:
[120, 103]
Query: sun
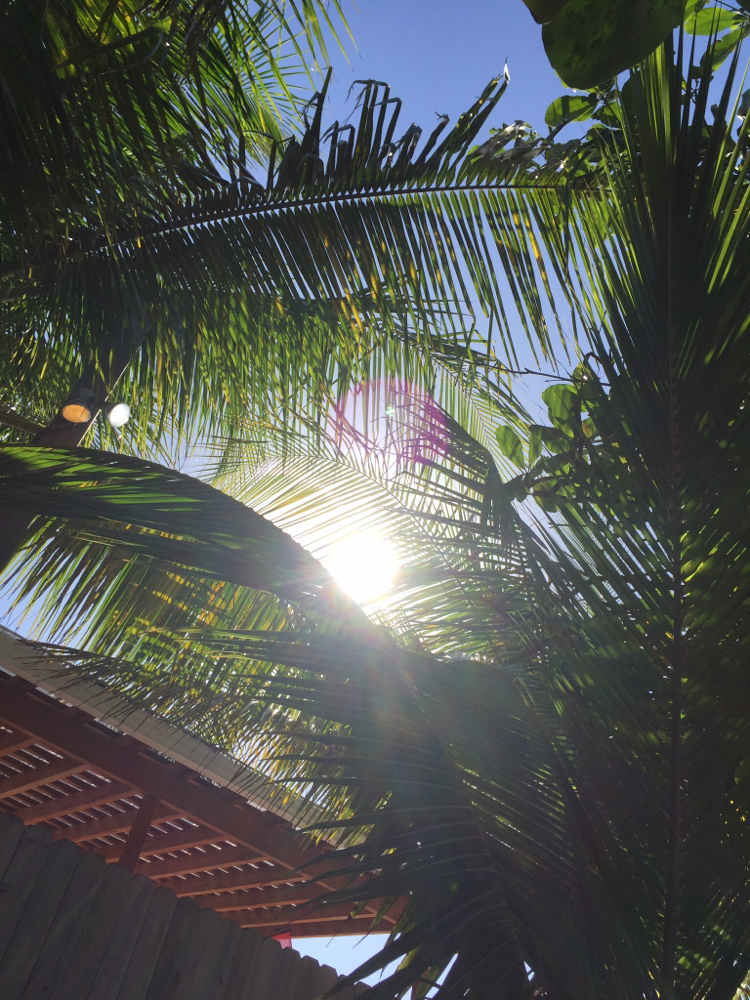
[364, 565]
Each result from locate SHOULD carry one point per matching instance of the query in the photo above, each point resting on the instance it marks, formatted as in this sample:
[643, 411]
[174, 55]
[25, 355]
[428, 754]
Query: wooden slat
[81, 930]
[63, 729]
[107, 826]
[131, 849]
[211, 980]
[75, 802]
[123, 939]
[15, 741]
[192, 836]
[198, 861]
[242, 971]
[179, 952]
[266, 975]
[12, 832]
[321, 928]
[286, 916]
[92, 941]
[290, 895]
[124, 760]
[148, 947]
[247, 879]
[66, 928]
[20, 878]
[30, 777]
[36, 919]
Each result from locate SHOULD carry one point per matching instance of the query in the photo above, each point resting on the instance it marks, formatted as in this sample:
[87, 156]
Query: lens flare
[364, 565]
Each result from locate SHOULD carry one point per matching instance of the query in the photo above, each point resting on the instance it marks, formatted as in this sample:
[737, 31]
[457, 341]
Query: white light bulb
[119, 415]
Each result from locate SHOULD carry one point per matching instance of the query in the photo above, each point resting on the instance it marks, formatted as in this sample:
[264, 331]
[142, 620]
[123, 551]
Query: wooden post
[131, 852]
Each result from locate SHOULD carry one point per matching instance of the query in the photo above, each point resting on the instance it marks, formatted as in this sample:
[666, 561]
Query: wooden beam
[284, 917]
[62, 728]
[246, 879]
[131, 851]
[200, 861]
[303, 892]
[106, 826]
[123, 759]
[29, 777]
[75, 802]
[15, 741]
[323, 929]
[192, 836]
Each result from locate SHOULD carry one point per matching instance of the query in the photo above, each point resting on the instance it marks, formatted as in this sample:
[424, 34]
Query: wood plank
[20, 878]
[89, 949]
[11, 831]
[61, 728]
[181, 950]
[266, 974]
[131, 849]
[66, 928]
[322, 979]
[289, 895]
[163, 843]
[245, 879]
[36, 920]
[300, 892]
[200, 861]
[154, 930]
[15, 741]
[123, 939]
[288, 916]
[211, 980]
[243, 968]
[30, 777]
[305, 982]
[64, 805]
[320, 928]
[107, 826]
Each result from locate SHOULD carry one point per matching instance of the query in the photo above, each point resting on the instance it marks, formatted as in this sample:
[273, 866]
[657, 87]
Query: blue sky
[437, 56]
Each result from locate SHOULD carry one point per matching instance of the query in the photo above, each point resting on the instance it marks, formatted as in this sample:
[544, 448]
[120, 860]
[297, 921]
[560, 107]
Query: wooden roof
[111, 793]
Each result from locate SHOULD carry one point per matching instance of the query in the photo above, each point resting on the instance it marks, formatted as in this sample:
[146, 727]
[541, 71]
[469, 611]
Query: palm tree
[159, 214]
[543, 739]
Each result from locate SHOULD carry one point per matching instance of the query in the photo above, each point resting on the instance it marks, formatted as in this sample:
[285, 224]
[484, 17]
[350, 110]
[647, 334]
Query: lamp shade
[78, 409]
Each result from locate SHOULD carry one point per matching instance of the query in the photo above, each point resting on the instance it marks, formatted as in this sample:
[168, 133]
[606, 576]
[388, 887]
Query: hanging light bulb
[78, 409]
[118, 414]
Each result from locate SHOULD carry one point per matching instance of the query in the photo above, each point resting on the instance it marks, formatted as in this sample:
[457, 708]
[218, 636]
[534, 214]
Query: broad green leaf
[545, 10]
[591, 41]
[570, 109]
[510, 445]
[563, 405]
[535, 443]
[724, 47]
[709, 21]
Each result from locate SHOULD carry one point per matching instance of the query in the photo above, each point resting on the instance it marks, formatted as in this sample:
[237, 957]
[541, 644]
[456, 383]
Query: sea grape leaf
[510, 445]
[709, 20]
[590, 41]
[570, 109]
[563, 405]
[545, 10]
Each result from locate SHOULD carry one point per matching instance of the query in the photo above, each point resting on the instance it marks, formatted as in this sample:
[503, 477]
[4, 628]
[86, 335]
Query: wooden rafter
[86, 782]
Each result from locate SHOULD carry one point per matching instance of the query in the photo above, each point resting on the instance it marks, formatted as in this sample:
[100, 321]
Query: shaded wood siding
[73, 927]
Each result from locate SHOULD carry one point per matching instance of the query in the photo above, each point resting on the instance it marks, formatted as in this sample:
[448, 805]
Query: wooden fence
[74, 928]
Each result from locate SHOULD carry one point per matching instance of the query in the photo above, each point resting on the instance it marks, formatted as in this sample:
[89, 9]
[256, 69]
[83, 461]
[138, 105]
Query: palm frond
[261, 296]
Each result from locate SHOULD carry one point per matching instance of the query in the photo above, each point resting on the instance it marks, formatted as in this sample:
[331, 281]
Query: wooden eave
[111, 793]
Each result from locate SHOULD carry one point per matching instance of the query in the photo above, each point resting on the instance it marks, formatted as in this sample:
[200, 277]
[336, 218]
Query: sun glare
[364, 565]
